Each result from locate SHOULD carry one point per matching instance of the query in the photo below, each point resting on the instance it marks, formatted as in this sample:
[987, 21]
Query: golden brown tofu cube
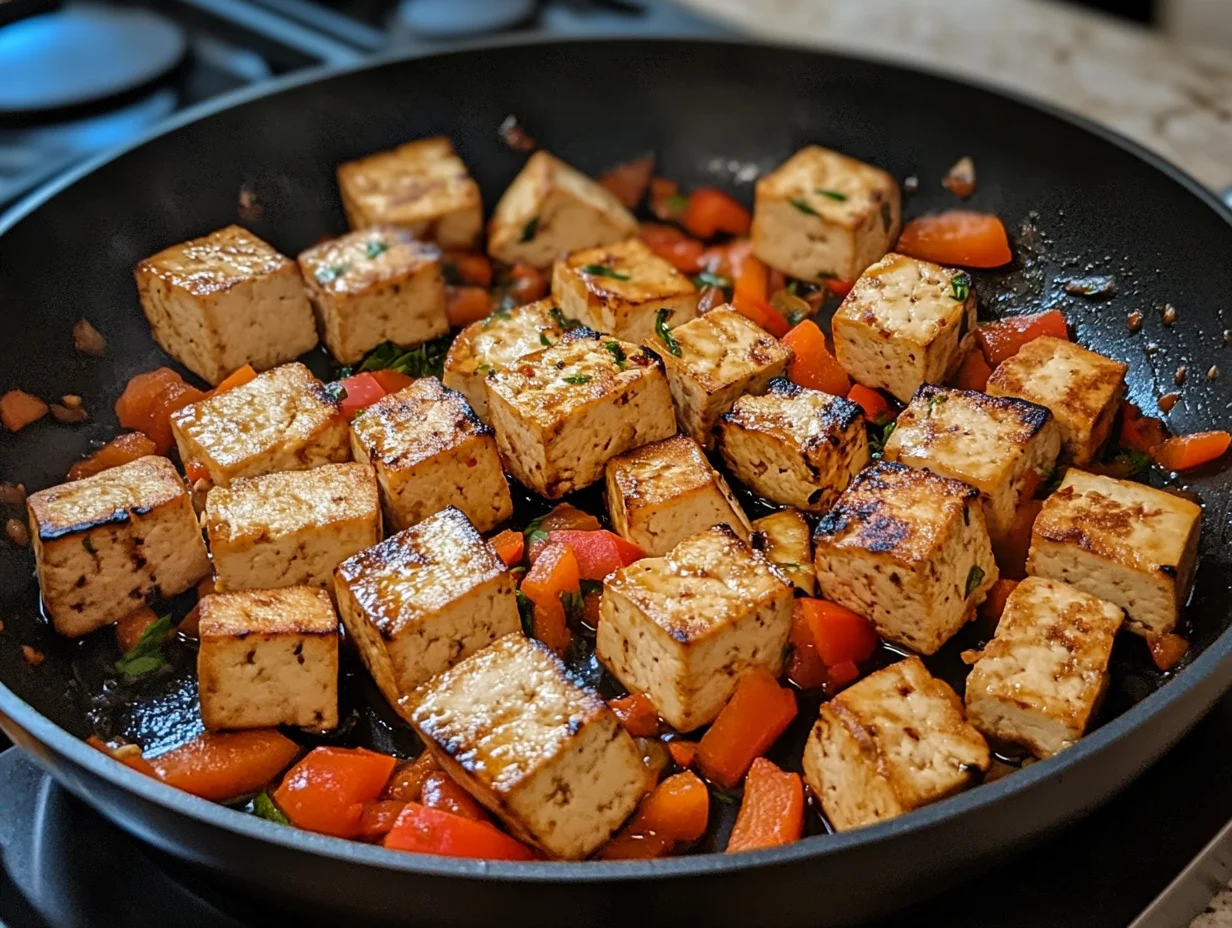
[1122, 541]
[431, 451]
[284, 419]
[1082, 388]
[904, 323]
[621, 288]
[551, 209]
[421, 600]
[292, 528]
[891, 743]
[421, 186]
[786, 539]
[822, 215]
[107, 544]
[793, 445]
[372, 286]
[269, 657]
[1000, 445]
[717, 358]
[545, 755]
[225, 300]
[909, 551]
[1040, 679]
[660, 494]
[496, 342]
[561, 414]
[686, 627]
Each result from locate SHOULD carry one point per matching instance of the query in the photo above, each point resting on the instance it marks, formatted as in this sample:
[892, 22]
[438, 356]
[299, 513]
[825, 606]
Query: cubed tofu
[284, 419]
[909, 551]
[793, 445]
[717, 358]
[891, 743]
[423, 599]
[421, 186]
[225, 300]
[496, 342]
[685, 628]
[551, 209]
[431, 451]
[1125, 542]
[621, 289]
[372, 286]
[562, 413]
[544, 754]
[105, 545]
[1082, 388]
[1000, 445]
[268, 657]
[292, 528]
[785, 538]
[822, 215]
[1038, 682]
[660, 494]
[904, 323]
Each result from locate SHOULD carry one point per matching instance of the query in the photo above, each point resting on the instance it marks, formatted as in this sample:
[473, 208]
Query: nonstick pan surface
[1078, 201]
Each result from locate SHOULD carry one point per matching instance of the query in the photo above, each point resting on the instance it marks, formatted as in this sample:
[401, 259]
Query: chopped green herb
[794, 288]
[449, 270]
[591, 587]
[887, 216]
[526, 612]
[877, 443]
[562, 320]
[376, 247]
[518, 571]
[599, 270]
[146, 656]
[707, 279]
[544, 340]
[803, 207]
[263, 807]
[676, 204]
[832, 194]
[727, 797]
[1133, 463]
[484, 368]
[975, 576]
[935, 400]
[665, 334]
[796, 316]
[336, 392]
[331, 272]
[426, 360]
[578, 379]
[617, 353]
[960, 286]
[573, 606]
[529, 230]
[89, 545]
[1051, 483]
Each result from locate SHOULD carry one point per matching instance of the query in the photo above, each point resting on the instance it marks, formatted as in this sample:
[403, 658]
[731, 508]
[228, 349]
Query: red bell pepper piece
[597, 553]
[839, 634]
[326, 791]
[223, 765]
[1005, 338]
[362, 390]
[432, 831]
[759, 711]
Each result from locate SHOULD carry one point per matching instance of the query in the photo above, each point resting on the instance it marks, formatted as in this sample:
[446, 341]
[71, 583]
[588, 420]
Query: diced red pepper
[223, 765]
[509, 546]
[960, 237]
[432, 831]
[673, 246]
[772, 810]
[393, 381]
[377, 818]
[326, 791]
[464, 305]
[805, 668]
[759, 711]
[123, 449]
[812, 364]
[362, 390]
[1004, 338]
[637, 714]
[439, 791]
[711, 211]
[839, 634]
[761, 313]
[597, 553]
[876, 408]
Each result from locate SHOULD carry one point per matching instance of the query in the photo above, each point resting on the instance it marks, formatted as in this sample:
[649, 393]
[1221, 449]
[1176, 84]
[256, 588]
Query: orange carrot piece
[175, 396]
[994, 604]
[761, 313]
[406, 783]
[554, 572]
[1005, 338]
[812, 364]
[464, 305]
[683, 753]
[772, 811]
[236, 378]
[509, 546]
[960, 237]
[1185, 452]
[222, 765]
[128, 629]
[628, 181]
[1167, 650]
[129, 755]
[18, 409]
[711, 211]
[326, 791]
[666, 203]
[637, 714]
[839, 634]
[753, 281]
[439, 791]
[876, 408]
[805, 668]
[122, 449]
[432, 831]
[673, 246]
[758, 712]
[473, 268]
[135, 406]
[679, 807]
[1139, 432]
[550, 625]
[529, 283]
[974, 372]
[392, 381]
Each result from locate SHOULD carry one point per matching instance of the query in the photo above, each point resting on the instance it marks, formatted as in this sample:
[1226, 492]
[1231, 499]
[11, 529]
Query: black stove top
[66, 867]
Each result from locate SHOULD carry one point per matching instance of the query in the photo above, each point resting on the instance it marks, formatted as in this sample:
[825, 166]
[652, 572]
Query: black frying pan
[1078, 199]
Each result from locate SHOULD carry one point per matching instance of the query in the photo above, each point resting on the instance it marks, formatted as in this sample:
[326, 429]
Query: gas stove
[118, 69]
[64, 866]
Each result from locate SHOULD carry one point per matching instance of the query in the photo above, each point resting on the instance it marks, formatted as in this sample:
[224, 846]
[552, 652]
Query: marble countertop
[1174, 99]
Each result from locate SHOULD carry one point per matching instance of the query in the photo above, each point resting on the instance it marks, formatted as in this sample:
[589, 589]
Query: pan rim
[1216, 657]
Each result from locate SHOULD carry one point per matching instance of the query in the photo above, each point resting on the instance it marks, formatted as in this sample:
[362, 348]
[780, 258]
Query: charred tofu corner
[269, 657]
[909, 551]
[431, 451]
[684, 628]
[545, 755]
[662, 493]
[225, 300]
[105, 545]
[785, 538]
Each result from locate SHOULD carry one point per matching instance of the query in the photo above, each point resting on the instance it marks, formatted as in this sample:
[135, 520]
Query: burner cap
[82, 54]
[448, 18]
